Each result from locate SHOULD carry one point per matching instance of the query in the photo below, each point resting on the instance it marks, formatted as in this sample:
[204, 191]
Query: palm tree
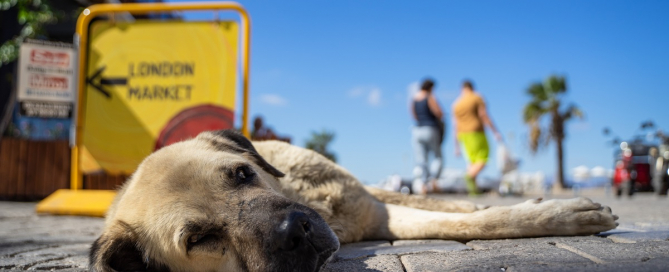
[546, 100]
[319, 142]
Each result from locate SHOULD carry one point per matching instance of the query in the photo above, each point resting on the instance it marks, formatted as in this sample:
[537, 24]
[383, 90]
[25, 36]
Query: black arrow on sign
[98, 84]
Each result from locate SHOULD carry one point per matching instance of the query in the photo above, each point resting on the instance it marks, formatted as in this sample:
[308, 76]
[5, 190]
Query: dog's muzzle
[304, 239]
[292, 232]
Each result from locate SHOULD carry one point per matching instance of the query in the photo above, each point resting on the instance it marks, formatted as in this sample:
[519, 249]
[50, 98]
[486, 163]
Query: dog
[219, 202]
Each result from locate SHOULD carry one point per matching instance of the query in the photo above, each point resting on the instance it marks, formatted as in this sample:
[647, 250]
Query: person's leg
[464, 139]
[437, 163]
[475, 168]
[476, 147]
[420, 156]
[472, 173]
[472, 188]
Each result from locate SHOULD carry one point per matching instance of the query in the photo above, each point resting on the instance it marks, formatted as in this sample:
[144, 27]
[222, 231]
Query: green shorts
[475, 145]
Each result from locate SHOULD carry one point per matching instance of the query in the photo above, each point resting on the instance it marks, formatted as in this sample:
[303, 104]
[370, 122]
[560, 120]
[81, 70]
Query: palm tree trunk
[558, 134]
[560, 167]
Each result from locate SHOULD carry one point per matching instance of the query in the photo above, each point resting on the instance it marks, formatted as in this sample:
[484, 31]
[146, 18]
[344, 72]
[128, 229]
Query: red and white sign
[58, 83]
[46, 77]
[54, 58]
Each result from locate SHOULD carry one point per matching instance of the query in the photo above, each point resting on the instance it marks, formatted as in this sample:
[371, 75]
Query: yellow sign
[152, 83]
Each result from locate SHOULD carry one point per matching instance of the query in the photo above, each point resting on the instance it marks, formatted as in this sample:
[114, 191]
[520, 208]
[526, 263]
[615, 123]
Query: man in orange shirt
[469, 118]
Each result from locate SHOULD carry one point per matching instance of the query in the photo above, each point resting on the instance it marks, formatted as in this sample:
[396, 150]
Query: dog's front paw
[577, 216]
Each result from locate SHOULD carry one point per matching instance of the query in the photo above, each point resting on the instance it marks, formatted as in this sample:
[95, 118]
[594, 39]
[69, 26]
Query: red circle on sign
[190, 122]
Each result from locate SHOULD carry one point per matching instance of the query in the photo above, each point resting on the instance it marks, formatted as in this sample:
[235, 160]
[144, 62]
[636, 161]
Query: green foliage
[319, 142]
[32, 15]
[546, 100]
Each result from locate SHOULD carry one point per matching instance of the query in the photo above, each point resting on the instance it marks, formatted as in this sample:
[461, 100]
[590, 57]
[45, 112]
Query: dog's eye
[244, 174]
[197, 239]
[194, 238]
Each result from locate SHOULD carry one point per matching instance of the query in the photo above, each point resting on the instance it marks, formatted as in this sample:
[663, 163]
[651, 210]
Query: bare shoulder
[419, 96]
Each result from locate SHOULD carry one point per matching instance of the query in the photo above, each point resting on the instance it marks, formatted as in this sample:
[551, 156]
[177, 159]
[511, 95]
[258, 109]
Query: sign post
[144, 85]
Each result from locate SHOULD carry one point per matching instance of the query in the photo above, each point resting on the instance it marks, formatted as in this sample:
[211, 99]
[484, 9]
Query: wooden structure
[32, 170]
[103, 181]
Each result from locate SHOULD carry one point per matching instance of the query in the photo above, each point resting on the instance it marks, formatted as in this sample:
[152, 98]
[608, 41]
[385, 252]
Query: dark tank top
[423, 114]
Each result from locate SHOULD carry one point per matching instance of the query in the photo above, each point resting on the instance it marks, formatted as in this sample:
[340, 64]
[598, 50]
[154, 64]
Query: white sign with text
[46, 79]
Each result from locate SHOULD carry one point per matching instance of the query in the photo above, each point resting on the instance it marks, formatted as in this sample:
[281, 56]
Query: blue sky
[347, 66]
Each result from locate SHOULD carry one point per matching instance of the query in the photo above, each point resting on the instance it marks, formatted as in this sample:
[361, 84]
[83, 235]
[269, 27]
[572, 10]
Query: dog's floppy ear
[244, 146]
[117, 250]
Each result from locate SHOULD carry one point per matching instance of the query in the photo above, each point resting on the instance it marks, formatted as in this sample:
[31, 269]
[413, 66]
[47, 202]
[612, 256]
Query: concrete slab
[362, 249]
[617, 252]
[642, 226]
[634, 237]
[652, 226]
[403, 247]
[44, 230]
[8, 250]
[47, 258]
[490, 259]
[651, 265]
[423, 242]
[383, 263]
[375, 248]
[79, 263]
[60, 243]
[534, 243]
[17, 209]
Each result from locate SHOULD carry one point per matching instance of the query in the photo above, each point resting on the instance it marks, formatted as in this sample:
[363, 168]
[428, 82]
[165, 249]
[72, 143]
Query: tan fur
[180, 184]
[399, 216]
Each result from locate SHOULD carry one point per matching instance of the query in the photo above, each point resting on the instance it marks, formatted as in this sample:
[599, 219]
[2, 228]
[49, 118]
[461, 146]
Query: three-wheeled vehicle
[661, 174]
[634, 167]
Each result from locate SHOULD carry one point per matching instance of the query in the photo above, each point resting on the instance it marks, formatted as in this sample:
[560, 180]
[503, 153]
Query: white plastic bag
[510, 183]
[505, 162]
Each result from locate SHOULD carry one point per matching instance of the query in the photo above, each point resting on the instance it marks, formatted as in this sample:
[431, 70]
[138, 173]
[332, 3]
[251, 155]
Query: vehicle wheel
[630, 188]
[664, 186]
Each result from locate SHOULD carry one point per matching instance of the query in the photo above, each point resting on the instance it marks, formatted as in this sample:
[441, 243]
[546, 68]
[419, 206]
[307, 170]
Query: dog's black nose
[292, 231]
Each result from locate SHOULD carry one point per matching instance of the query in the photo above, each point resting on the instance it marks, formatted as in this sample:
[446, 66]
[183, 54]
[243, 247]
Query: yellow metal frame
[142, 8]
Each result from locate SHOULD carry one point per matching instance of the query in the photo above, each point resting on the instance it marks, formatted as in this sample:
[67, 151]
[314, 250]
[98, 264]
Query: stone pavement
[641, 243]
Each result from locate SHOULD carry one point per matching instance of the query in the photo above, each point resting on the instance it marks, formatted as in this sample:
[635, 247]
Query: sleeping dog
[218, 202]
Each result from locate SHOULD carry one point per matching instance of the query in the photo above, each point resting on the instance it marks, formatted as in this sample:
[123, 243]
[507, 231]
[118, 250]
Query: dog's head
[210, 204]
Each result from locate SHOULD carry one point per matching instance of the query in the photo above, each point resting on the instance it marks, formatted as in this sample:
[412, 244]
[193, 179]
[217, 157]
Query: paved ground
[641, 243]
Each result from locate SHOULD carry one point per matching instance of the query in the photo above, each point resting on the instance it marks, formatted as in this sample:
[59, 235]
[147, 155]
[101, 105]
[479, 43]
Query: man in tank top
[469, 118]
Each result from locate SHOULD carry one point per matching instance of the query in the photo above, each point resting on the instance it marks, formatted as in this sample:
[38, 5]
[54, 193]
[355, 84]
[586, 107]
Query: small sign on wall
[45, 90]
[46, 79]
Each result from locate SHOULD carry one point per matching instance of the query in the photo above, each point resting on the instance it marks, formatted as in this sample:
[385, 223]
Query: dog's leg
[423, 202]
[533, 218]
